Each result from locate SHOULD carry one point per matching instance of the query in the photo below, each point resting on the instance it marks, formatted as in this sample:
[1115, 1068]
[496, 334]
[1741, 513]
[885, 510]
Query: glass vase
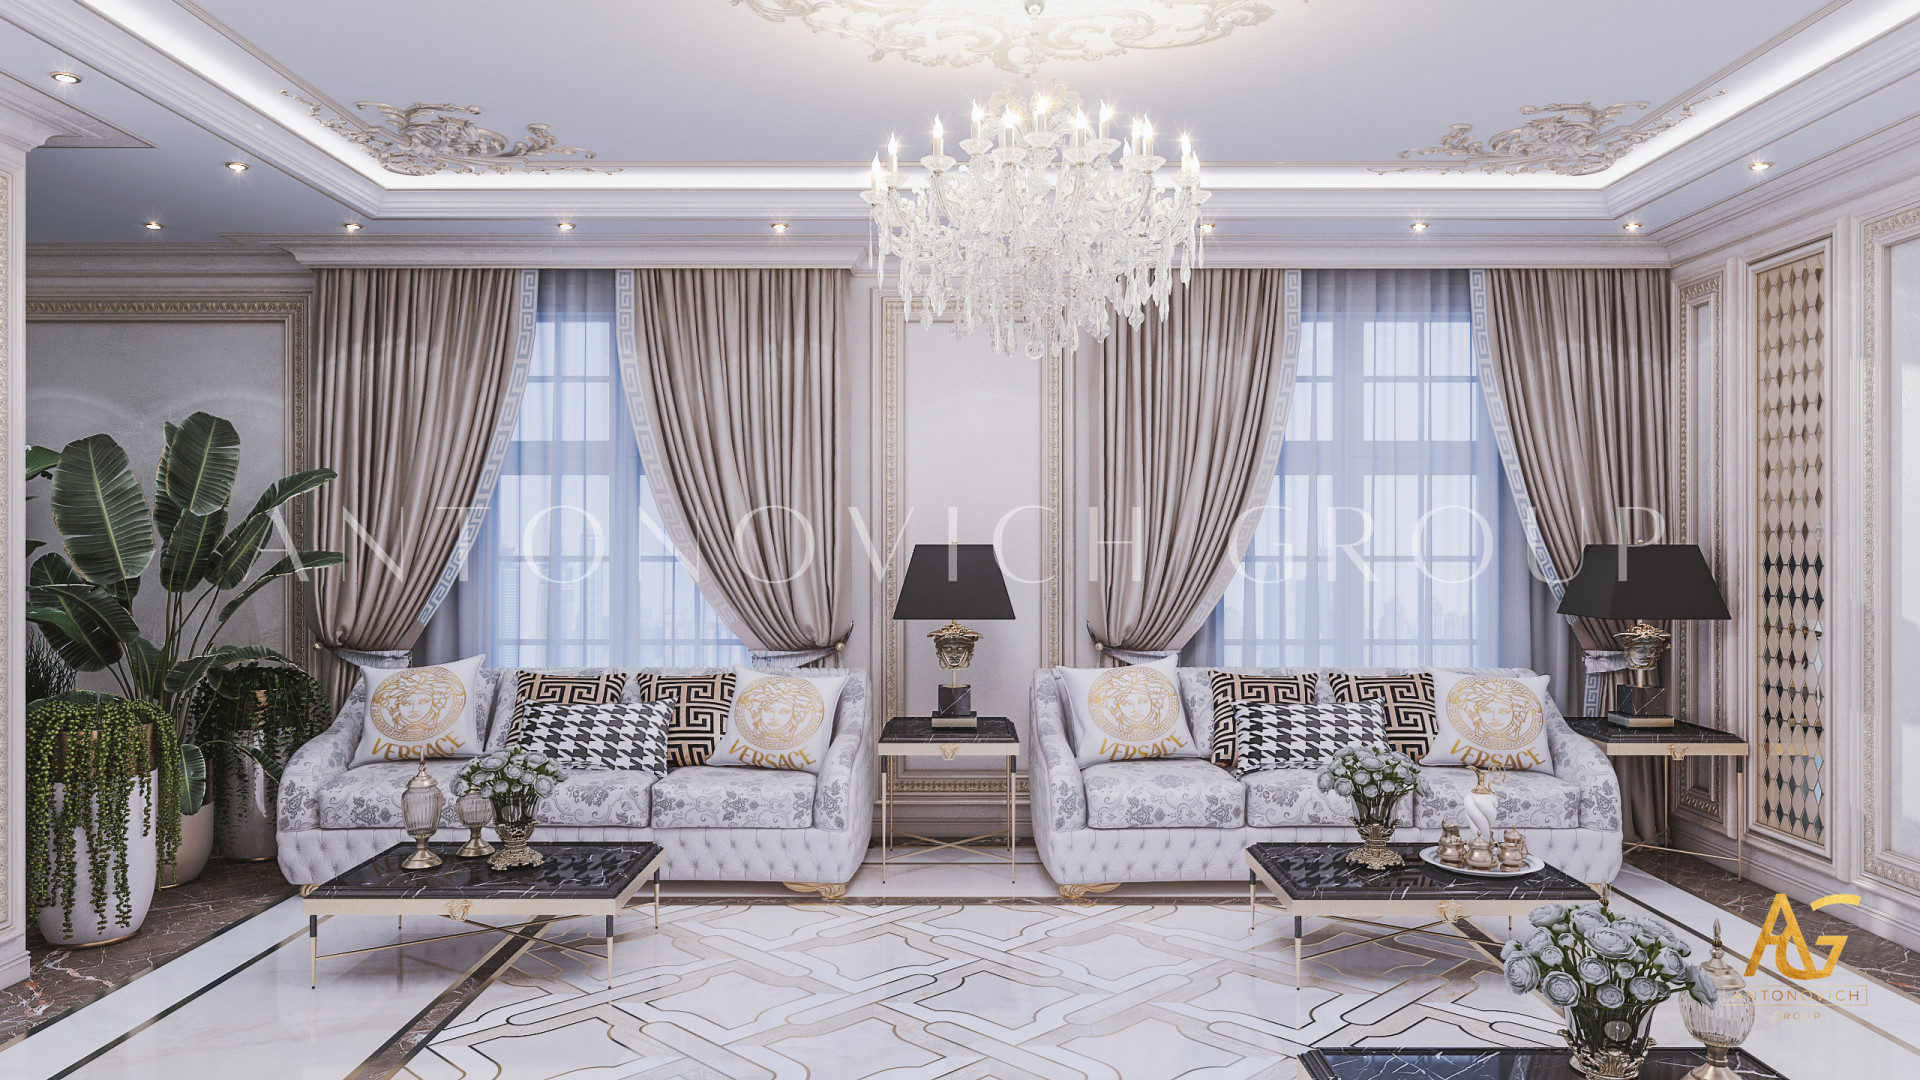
[1608, 1044]
[513, 820]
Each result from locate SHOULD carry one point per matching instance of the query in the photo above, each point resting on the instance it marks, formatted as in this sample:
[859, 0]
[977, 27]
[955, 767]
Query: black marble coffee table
[577, 880]
[1317, 881]
[1501, 1064]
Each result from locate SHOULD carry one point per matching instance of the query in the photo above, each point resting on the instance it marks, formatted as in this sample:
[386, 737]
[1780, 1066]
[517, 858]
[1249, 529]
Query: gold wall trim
[1876, 237]
[294, 313]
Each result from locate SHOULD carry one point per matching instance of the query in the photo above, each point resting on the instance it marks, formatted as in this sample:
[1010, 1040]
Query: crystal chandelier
[1042, 232]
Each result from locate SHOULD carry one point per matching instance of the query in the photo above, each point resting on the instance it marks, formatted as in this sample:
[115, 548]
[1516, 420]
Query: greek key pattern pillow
[1229, 688]
[1299, 736]
[564, 690]
[1410, 720]
[700, 707]
[630, 735]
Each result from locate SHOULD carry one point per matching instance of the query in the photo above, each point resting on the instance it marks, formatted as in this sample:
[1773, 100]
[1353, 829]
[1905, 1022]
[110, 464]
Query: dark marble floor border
[1887, 962]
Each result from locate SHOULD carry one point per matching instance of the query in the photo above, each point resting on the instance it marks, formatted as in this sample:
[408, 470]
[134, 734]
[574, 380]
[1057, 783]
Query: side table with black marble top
[911, 736]
[1675, 744]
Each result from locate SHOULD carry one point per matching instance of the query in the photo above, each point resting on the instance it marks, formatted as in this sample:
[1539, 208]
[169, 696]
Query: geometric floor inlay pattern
[972, 991]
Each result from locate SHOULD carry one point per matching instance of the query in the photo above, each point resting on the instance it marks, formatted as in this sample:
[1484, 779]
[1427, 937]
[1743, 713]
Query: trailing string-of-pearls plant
[1042, 233]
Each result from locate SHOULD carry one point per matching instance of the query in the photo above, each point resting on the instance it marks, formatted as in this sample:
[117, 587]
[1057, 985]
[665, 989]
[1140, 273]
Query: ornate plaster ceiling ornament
[1568, 139]
[424, 139]
[1017, 36]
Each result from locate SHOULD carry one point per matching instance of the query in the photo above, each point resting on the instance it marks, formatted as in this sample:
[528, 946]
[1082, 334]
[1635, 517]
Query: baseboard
[1889, 915]
[15, 964]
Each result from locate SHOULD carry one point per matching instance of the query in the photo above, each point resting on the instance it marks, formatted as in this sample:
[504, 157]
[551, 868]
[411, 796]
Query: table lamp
[953, 582]
[1642, 582]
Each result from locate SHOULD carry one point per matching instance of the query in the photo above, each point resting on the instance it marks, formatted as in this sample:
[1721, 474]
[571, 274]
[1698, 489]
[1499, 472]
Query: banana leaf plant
[111, 534]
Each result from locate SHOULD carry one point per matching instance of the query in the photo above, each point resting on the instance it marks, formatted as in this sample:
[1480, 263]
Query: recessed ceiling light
[152, 226]
[352, 226]
[1418, 226]
[1761, 166]
[1206, 226]
[565, 226]
[64, 78]
[237, 166]
[779, 226]
[1631, 226]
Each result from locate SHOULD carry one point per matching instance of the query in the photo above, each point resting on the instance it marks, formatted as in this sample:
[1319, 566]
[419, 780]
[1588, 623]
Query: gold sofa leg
[826, 891]
[1077, 894]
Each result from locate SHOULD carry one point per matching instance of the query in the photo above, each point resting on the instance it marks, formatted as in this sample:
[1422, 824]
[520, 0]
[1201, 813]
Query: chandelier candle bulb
[893, 154]
[979, 114]
[939, 139]
[1106, 116]
[1146, 138]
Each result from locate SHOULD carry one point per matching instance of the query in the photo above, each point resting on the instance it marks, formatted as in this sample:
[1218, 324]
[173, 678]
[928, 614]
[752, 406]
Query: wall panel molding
[1700, 364]
[294, 315]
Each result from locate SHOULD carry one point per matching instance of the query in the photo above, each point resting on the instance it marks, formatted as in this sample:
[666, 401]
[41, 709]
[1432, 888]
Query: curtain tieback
[1128, 656]
[796, 658]
[1599, 663]
[374, 658]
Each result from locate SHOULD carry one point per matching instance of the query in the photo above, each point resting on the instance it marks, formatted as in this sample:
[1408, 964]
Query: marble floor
[913, 978]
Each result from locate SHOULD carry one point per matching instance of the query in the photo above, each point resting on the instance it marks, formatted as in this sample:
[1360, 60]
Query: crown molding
[91, 271]
[1433, 251]
[512, 249]
[1885, 160]
[30, 117]
[1873, 67]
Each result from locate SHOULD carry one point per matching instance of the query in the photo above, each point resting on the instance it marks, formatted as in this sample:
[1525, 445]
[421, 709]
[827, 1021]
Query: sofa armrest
[1587, 768]
[1057, 794]
[319, 761]
[845, 788]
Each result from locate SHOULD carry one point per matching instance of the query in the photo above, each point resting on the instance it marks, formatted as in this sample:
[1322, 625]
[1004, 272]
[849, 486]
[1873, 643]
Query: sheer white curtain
[1389, 538]
[572, 567]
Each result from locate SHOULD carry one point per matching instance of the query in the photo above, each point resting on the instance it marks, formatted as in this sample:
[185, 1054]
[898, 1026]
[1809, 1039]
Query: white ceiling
[713, 119]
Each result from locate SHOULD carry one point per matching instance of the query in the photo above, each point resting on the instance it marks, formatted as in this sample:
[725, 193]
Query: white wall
[1863, 206]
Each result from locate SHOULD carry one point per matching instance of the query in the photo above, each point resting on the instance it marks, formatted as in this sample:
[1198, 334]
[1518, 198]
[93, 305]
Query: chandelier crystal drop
[1043, 232]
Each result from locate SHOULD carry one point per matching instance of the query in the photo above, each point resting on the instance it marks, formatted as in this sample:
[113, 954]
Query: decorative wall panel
[1791, 360]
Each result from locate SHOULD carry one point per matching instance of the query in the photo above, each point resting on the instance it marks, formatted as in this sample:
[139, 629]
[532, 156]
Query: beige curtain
[413, 368]
[740, 369]
[1192, 409]
[1583, 363]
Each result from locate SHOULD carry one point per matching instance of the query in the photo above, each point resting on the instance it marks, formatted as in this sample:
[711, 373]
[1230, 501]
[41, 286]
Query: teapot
[1452, 850]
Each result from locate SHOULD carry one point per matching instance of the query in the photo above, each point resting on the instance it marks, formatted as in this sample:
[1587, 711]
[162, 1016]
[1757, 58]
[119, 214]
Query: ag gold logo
[1788, 933]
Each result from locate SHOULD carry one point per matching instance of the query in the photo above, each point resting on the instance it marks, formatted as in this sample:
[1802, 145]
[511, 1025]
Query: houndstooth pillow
[1300, 736]
[629, 735]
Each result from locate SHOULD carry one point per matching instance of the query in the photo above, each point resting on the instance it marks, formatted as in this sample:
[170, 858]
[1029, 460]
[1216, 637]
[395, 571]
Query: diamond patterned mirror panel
[1791, 358]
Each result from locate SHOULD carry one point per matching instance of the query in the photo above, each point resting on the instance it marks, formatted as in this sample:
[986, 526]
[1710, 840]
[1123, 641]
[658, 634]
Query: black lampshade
[1648, 581]
[953, 581]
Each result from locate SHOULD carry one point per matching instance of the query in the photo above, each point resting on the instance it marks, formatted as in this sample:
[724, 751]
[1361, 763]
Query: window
[1380, 542]
[572, 567]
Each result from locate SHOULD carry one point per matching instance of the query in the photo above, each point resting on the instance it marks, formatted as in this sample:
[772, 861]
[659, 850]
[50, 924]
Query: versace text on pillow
[779, 721]
[1124, 713]
[424, 712]
[1492, 721]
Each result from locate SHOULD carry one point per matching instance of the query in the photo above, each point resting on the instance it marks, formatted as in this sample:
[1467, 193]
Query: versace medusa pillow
[1230, 688]
[421, 712]
[536, 686]
[1410, 722]
[782, 721]
[1491, 721]
[700, 705]
[1124, 713]
[1299, 736]
[598, 735]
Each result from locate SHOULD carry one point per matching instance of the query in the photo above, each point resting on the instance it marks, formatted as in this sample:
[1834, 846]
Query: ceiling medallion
[1041, 234]
[1568, 139]
[1016, 36]
[423, 139]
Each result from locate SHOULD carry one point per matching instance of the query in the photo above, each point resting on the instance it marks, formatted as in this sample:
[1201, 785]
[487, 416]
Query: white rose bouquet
[1375, 776]
[514, 779]
[1607, 970]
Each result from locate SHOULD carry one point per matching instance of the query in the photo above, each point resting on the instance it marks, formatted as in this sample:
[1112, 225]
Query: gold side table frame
[1676, 753]
[534, 917]
[947, 751]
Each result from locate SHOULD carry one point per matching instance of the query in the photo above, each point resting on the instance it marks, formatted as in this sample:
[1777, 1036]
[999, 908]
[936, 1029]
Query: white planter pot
[196, 845]
[142, 871]
[245, 824]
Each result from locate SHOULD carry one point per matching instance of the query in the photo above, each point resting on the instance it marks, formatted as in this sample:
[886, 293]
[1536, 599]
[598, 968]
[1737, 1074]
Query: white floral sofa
[716, 823]
[1186, 819]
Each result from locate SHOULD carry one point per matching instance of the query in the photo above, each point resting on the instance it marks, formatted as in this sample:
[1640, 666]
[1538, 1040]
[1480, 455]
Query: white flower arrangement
[515, 774]
[1375, 776]
[1596, 959]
